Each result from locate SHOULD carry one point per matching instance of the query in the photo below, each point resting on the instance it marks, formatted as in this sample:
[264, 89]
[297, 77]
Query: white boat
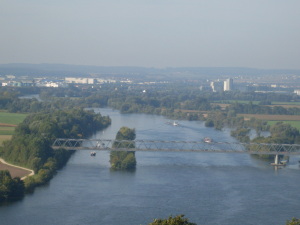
[207, 140]
[175, 123]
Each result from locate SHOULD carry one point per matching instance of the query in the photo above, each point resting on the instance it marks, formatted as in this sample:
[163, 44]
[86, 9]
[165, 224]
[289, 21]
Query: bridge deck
[176, 146]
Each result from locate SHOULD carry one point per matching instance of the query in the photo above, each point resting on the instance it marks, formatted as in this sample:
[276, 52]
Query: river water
[208, 188]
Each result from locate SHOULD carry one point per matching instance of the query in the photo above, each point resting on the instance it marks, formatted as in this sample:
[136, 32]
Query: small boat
[175, 123]
[93, 153]
[283, 162]
[207, 140]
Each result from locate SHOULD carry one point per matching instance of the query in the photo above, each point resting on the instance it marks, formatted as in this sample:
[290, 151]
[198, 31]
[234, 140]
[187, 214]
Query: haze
[152, 33]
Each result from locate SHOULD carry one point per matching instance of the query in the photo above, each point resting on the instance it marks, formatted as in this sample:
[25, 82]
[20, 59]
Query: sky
[152, 33]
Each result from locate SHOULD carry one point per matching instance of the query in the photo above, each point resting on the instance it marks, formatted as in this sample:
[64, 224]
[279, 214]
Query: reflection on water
[209, 188]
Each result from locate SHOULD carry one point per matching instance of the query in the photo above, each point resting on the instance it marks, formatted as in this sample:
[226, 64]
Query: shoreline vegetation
[30, 147]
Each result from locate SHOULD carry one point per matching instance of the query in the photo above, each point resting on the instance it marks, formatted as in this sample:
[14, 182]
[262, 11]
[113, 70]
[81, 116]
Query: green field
[6, 130]
[12, 118]
[8, 121]
[257, 102]
[295, 124]
[238, 101]
[285, 103]
[4, 138]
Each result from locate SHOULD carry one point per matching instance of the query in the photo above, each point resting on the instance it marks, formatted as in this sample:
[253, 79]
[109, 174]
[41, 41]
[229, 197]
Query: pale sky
[152, 33]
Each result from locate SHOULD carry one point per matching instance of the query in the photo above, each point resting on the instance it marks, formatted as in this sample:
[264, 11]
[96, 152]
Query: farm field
[234, 101]
[286, 103]
[6, 130]
[294, 120]
[11, 118]
[272, 117]
[225, 103]
[4, 138]
[8, 122]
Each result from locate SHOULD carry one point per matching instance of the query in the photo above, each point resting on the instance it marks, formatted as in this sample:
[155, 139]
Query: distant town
[271, 81]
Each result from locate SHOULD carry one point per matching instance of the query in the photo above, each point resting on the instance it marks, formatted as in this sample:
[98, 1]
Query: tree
[294, 221]
[284, 133]
[177, 220]
[10, 188]
[122, 160]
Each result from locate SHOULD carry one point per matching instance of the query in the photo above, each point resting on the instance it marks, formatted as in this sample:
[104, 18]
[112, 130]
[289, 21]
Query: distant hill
[63, 70]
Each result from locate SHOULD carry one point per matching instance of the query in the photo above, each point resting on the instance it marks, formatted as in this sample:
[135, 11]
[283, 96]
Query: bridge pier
[276, 159]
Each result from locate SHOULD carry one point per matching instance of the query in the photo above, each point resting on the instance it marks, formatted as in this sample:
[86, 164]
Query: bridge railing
[160, 145]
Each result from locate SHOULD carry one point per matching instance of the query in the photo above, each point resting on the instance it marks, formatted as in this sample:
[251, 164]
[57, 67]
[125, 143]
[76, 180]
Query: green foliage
[10, 188]
[284, 133]
[293, 123]
[177, 220]
[251, 108]
[216, 119]
[122, 160]
[209, 123]
[281, 133]
[30, 146]
[294, 221]
[125, 133]
[241, 134]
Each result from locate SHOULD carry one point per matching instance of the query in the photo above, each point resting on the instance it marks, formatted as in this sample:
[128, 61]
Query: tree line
[31, 143]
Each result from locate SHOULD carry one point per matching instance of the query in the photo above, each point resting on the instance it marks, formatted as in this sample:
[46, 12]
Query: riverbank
[15, 171]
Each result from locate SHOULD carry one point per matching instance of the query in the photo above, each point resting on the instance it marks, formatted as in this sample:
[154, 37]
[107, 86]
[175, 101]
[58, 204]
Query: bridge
[178, 146]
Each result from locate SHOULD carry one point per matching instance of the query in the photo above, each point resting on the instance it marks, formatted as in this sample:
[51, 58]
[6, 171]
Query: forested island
[123, 160]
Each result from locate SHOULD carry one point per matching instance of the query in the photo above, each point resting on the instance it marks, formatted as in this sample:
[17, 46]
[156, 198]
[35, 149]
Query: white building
[228, 84]
[56, 84]
[216, 86]
[79, 80]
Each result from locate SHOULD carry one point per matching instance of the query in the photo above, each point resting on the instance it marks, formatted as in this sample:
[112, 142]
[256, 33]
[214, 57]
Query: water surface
[209, 188]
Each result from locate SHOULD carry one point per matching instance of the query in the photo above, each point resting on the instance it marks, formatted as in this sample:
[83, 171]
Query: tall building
[216, 86]
[77, 80]
[228, 84]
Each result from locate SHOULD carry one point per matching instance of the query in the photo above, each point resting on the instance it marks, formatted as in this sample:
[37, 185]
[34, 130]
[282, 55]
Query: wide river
[208, 188]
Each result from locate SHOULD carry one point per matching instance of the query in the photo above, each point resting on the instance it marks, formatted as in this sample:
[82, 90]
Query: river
[208, 188]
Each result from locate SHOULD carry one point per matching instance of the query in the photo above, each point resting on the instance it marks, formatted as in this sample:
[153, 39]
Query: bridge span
[176, 146]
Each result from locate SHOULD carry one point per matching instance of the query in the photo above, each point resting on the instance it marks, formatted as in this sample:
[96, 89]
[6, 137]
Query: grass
[295, 124]
[286, 103]
[4, 138]
[294, 120]
[291, 104]
[11, 118]
[238, 101]
[272, 117]
[8, 122]
[7, 130]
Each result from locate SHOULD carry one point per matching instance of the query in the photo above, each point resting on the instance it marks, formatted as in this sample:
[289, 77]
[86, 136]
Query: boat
[175, 123]
[207, 140]
[284, 162]
[93, 153]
